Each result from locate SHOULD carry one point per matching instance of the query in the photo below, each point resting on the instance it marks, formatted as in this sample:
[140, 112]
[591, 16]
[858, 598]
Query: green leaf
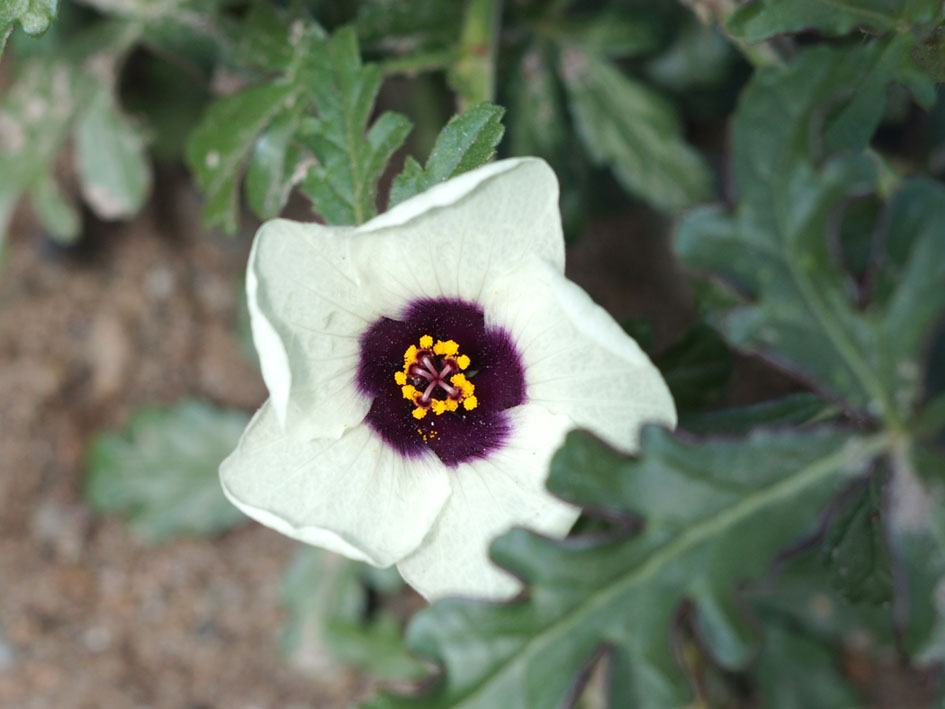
[775, 249]
[160, 472]
[534, 99]
[55, 211]
[715, 515]
[798, 409]
[635, 132]
[218, 147]
[328, 622]
[855, 548]
[467, 141]
[342, 185]
[761, 19]
[36, 116]
[33, 16]
[916, 524]
[696, 367]
[789, 652]
[276, 166]
[111, 160]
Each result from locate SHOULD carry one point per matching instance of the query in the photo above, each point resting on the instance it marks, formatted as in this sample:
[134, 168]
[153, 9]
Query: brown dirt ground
[89, 615]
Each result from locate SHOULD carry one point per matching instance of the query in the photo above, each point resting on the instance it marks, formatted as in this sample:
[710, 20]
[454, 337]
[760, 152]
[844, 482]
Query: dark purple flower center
[440, 379]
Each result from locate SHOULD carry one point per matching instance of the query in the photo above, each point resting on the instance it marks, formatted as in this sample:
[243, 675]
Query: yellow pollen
[400, 378]
[470, 403]
[462, 361]
[438, 406]
[460, 381]
[426, 342]
[452, 404]
[410, 356]
[409, 391]
[446, 349]
[419, 413]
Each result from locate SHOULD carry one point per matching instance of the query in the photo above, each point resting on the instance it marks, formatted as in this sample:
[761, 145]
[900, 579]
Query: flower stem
[472, 75]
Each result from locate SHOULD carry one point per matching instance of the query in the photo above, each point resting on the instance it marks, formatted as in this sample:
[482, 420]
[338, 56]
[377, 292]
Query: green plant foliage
[221, 144]
[160, 472]
[350, 161]
[800, 409]
[775, 248]
[33, 16]
[715, 514]
[467, 141]
[327, 601]
[761, 19]
[632, 129]
[855, 548]
[696, 367]
[110, 158]
[36, 117]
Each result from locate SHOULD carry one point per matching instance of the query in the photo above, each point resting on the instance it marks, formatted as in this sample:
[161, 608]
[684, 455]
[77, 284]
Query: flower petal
[453, 239]
[353, 495]
[489, 497]
[307, 311]
[578, 361]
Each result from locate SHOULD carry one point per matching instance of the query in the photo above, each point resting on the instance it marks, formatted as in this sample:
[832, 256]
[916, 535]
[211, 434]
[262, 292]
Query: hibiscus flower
[422, 369]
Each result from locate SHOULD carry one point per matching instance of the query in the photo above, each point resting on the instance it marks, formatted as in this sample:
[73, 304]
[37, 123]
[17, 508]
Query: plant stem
[472, 75]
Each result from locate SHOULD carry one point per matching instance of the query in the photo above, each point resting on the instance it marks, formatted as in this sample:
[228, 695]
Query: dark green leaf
[328, 620]
[160, 473]
[537, 123]
[350, 162]
[467, 141]
[855, 548]
[613, 33]
[716, 513]
[111, 160]
[761, 19]
[634, 131]
[696, 367]
[776, 248]
[699, 56]
[218, 147]
[798, 409]
[787, 653]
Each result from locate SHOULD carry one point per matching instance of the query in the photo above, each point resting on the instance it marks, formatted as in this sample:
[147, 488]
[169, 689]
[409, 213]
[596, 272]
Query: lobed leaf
[715, 513]
[350, 161]
[160, 472]
[775, 249]
[34, 16]
[635, 132]
[218, 148]
[467, 141]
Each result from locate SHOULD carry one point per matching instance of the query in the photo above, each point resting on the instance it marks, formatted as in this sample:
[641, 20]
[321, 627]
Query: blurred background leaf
[160, 472]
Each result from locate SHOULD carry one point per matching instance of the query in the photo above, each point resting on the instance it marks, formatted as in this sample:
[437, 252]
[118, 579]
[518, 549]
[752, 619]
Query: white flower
[422, 370]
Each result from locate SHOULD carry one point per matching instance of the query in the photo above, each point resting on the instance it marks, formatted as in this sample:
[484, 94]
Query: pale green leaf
[160, 472]
[111, 160]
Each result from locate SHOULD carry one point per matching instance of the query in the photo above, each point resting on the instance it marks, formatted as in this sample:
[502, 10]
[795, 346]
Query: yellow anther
[410, 356]
[438, 406]
[400, 378]
[470, 403]
[419, 413]
[446, 349]
[426, 342]
[409, 391]
[452, 404]
[457, 380]
[462, 361]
